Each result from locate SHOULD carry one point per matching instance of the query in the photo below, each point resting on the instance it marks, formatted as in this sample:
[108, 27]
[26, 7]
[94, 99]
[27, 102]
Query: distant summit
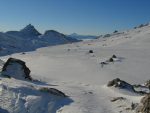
[80, 37]
[27, 32]
[74, 34]
[54, 37]
[30, 30]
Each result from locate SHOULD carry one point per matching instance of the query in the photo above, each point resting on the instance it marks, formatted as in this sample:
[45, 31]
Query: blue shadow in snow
[3, 111]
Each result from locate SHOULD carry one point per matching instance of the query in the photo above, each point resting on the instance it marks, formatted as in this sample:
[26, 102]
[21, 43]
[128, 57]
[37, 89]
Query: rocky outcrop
[16, 68]
[120, 84]
[144, 106]
[139, 89]
[147, 84]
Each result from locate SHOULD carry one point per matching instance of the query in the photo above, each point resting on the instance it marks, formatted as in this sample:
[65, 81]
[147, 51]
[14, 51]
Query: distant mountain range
[29, 38]
[81, 37]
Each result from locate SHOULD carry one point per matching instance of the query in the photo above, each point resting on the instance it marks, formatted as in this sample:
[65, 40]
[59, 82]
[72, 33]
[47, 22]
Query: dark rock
[53, 91]
[68, 49]
[91, 51]
[114, 56]
[142, 25]
[134, 106]
[16, 68]
[107, 35]
[111, 60]
[135, 27]
[117, 98]
[127, 109]
[141, 92]
[103, 63]
[23, 53]
[115, 31]
[113, 82]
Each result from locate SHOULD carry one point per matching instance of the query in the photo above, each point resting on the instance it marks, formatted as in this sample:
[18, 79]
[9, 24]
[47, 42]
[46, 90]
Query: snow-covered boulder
[16, 68]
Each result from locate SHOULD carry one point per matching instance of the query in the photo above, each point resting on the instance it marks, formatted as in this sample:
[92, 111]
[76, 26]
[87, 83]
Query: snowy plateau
[81, 70]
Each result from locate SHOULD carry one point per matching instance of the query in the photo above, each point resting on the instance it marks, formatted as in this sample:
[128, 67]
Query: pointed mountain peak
[28, 27]
[30, 30]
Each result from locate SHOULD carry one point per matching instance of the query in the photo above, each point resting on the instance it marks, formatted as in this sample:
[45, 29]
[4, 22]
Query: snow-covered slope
[25, 97]
[80, 74]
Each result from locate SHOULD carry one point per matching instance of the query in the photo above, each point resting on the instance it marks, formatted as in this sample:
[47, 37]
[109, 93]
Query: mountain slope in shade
[52, 37]
[29, 38]
[28, 32]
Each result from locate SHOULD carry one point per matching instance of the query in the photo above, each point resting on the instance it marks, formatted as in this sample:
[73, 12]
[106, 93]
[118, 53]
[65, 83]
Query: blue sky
[67, 16]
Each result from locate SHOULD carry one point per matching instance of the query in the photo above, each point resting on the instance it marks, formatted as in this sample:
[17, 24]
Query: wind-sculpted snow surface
[25, 97]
